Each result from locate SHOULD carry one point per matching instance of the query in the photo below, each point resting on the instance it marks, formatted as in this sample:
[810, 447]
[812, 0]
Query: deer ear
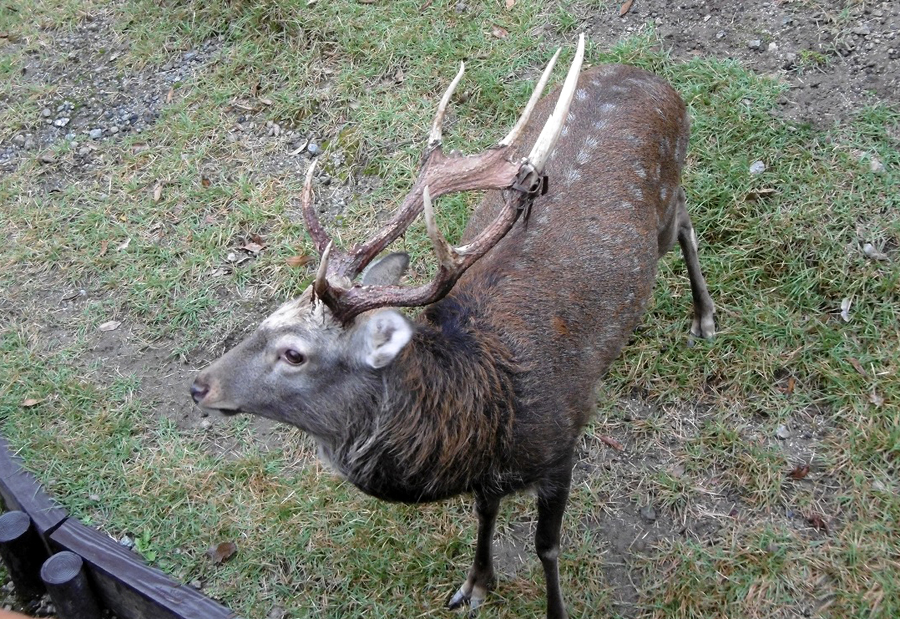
[385, 334]
[387, 271]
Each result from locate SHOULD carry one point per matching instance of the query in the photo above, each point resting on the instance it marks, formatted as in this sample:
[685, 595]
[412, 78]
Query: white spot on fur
[572, 175]
[663, 194]
[581, 94]
[657, 171]
[694, 239]
[641, 172]
[601, 124]
[607, 108]
[637, 193]
[582, 157]
[570, 118]
[564, 132]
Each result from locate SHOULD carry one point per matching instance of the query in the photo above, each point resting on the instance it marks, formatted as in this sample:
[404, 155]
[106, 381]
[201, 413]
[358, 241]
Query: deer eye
[293, 357]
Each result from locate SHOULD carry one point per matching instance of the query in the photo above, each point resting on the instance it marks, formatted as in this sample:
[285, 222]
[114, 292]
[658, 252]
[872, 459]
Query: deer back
[567, 285]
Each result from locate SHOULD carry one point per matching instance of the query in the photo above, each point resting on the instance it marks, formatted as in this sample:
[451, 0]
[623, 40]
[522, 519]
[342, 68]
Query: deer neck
[441, 412]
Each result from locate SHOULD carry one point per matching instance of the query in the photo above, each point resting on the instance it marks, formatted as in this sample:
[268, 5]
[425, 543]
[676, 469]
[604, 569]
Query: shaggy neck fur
[443, 413]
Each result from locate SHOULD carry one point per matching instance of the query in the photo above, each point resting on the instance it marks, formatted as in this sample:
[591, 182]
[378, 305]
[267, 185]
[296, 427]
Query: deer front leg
[704, 323]
[481, 575]
[552, 497]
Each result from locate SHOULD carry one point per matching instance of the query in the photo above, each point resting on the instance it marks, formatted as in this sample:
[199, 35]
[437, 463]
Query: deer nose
[199, 390]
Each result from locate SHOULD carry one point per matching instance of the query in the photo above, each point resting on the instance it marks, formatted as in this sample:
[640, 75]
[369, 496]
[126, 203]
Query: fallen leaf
[816, 521]
[499, 31]
[222, 552]
[625, 7]
[157, 192]
[760, 194]
[857, 366]
[110, 325]
[124, 245]
[298, 261]
[510, 4]
[254, 90]
[253, 248]
[367, 1]
[266, 101]
[255, 238]
[612, 443]
[801, 471]
[71, 295]
[788, 387]
[876, 399]
[170, 95]
[104, 245]
[426, 5]
[205, 181]
[31, 402]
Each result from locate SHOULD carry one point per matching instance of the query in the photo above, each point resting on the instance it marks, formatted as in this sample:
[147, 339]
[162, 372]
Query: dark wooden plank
[127, 585]
[22, 492]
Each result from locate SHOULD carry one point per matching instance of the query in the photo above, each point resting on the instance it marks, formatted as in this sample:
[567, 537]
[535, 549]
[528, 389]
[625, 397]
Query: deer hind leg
[704, 323]
[553, 494]
[481, 576]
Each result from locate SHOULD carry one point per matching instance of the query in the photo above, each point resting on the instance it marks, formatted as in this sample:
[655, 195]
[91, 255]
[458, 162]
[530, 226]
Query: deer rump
[488, 389]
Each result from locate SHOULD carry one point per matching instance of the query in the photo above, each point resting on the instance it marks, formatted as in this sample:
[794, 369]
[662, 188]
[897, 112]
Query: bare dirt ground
[834, 61]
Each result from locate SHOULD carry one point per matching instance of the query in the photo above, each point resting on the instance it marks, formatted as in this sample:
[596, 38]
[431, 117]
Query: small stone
[46, 112]
[231, 257]
[757, 168]
[47, 158]
[189, 56]
[870, 252]
[864, 30]
[62, 121]
[313, 149]
[73, 145]
[19, 140]
[875, 165]
[720, 34]
[127, 542]
[95, 134]
[648, 513]
[206, 424]
[196, 584]
[94, 497]
[29, 144]
[84, 151]
[755, 44]
[113, 130]
[783, 433]
[773, 47]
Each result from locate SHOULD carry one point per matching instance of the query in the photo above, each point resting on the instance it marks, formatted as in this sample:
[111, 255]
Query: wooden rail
[119, 578]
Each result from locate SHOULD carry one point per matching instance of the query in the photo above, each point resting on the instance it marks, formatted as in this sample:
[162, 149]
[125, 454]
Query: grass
[735, 535]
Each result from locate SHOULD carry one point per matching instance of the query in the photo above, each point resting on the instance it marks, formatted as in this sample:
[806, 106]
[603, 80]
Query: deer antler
[442, 174]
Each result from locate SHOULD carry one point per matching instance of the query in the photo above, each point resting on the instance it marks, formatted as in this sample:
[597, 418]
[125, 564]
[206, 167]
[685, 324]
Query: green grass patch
[781, 251]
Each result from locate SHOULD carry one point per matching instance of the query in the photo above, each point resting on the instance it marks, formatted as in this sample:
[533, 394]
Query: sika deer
[488, 389]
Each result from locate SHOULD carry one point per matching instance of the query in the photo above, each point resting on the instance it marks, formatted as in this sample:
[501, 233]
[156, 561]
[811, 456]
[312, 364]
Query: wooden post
[23, 552]
[67, 583]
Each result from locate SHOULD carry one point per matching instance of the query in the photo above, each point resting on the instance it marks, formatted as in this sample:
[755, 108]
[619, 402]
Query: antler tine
[550, 133]
[321, 286]
[435, 137]
[535, 97]
[445, 253]
[316, 231]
